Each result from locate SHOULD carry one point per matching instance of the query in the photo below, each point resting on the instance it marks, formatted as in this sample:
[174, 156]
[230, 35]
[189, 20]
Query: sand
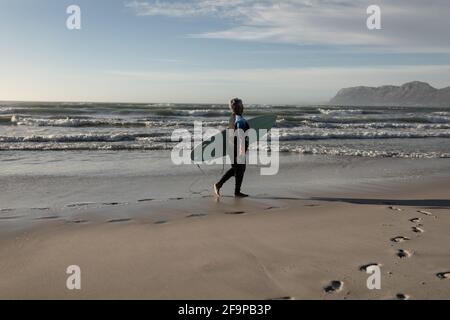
[263, 247]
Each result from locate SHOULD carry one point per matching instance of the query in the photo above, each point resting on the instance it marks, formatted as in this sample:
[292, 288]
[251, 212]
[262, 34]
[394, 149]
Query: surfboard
[262, 122]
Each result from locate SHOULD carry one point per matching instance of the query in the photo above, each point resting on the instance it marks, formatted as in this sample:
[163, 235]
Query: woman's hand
[242, 149]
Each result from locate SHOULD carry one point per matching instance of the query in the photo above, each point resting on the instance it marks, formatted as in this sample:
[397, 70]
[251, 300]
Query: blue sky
[293, 51]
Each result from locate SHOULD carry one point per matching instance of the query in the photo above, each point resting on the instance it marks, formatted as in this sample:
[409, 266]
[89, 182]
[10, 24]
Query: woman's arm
[232, 121]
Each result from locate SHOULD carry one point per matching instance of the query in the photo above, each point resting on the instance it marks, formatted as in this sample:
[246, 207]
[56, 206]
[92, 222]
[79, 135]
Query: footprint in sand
[401, 296]
[364, 267]
[283, 298]
[443, 275]
[334, 286]
[77, 221]
[399, 239]
[145, 200]
[395, 208]
[403, 253]
[112, 203]
[270, 208]
[47, 218]
[79, 205]
[196, 215]
[425, 212]
[119, 220]
[160, 222]
[415, 220]
[10, 217]
[417, 230]
[235, 212]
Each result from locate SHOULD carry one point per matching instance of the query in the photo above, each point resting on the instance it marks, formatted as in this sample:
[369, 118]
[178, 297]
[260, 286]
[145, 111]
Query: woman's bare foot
[216, 190]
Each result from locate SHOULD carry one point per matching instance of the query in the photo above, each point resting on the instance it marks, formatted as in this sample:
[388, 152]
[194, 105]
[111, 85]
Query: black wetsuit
[237, 169]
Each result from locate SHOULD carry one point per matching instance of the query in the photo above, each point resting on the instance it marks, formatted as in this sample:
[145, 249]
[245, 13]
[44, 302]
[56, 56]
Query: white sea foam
[310, 134]
[339, 112]
[196, 112]
[87, 137]
[441, 113]
[438, 118]
[371, 153]
[152, 145]
[74, 122]
[6, 110]
[104, 122]
[58, 146]
[376, 125]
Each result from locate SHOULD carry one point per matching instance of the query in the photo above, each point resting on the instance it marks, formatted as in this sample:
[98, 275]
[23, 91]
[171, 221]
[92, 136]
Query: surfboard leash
[201, 170]
[197, 180]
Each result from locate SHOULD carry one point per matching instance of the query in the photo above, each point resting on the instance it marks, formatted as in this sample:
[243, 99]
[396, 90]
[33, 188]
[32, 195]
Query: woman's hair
[236, 106]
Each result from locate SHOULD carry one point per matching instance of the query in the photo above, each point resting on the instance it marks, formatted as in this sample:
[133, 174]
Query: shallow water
[35, 184]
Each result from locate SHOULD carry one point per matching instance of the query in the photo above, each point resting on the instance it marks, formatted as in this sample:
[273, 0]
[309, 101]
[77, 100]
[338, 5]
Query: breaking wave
[361, 134]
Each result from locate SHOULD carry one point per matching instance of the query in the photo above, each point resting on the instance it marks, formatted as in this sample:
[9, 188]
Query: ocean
[338, 130]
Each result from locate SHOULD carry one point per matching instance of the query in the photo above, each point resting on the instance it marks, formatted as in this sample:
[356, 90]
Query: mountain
[414, 93]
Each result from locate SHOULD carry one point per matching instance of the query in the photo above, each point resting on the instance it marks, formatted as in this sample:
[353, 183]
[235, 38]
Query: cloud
[223, 8]
[407, 25]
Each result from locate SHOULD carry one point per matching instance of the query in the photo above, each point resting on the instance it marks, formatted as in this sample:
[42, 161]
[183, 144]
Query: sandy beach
[286, 245]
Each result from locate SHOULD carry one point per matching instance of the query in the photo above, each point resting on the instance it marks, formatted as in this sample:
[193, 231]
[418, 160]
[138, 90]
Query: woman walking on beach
[237, 122]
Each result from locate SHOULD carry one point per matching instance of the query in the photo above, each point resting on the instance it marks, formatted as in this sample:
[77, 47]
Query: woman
[237, 169]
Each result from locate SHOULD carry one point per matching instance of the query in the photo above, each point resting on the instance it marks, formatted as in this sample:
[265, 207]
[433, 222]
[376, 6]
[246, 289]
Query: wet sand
[263, 247]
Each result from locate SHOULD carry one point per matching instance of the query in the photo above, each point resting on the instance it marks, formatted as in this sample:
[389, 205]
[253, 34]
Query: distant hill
[414, 93]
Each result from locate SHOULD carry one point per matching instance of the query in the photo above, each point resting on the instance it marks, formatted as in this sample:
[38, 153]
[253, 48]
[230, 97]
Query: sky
[208, 51]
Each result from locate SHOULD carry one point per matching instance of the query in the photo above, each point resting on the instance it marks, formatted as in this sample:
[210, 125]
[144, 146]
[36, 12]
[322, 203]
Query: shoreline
[264, 247]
